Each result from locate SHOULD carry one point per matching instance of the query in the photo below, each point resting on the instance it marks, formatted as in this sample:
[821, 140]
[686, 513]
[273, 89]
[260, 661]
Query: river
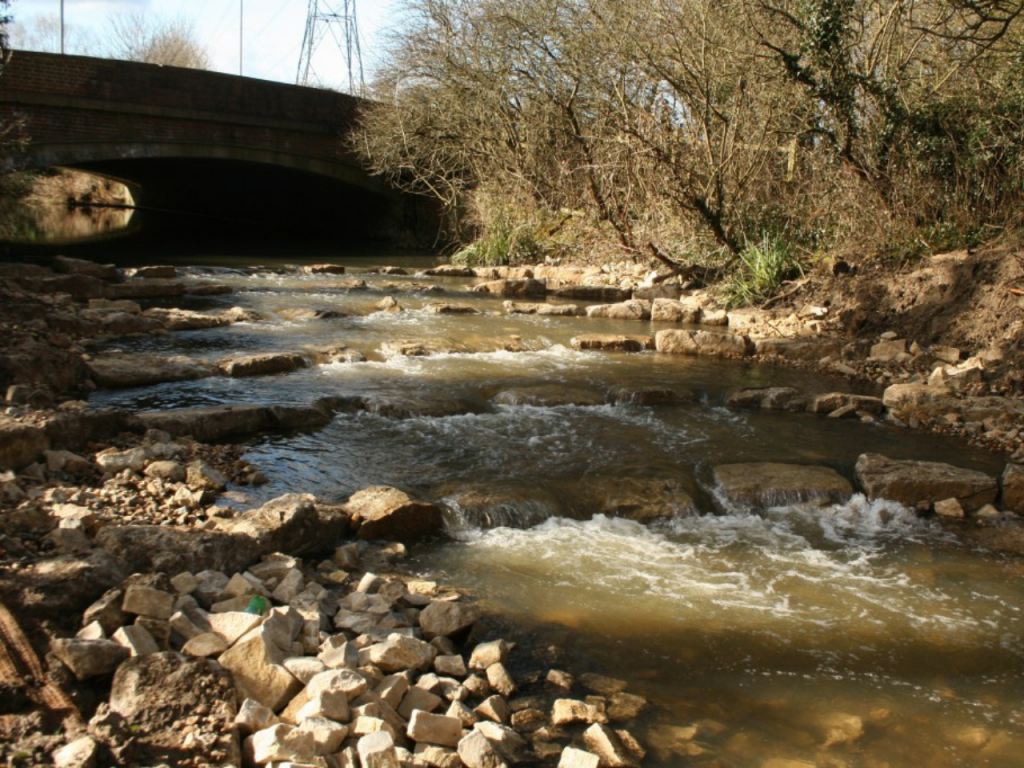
[850, 635]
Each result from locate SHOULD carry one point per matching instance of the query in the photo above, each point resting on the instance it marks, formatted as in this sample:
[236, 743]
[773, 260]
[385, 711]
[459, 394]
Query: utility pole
[241, 12]
[334, 16]
[62, 27]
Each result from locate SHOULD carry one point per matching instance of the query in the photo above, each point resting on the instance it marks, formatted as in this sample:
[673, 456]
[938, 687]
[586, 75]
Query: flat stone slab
[768, 398]
[767, 484]
[920, 484]
[216, 422]
[613, 342]
[556, 310]
[264, 365]
[123, 371]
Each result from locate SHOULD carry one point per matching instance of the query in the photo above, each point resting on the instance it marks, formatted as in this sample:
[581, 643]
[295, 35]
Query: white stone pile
[336, 669]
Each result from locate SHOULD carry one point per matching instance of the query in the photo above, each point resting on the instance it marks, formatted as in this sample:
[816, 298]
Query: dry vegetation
[707, 132]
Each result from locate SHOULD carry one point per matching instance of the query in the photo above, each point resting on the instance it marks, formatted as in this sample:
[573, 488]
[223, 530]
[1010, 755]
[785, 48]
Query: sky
[272, 30]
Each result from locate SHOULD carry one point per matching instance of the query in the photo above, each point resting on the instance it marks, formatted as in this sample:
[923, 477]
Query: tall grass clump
[763, 268]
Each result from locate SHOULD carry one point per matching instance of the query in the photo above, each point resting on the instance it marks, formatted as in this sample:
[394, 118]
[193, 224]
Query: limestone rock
[153, 548]
[89, 658]
[282, 742]
[292, 523]
[1012, 484]
[388, 513]
[400, 652]
[219, 422]
[205, 644]
[632, 309]
[691, 342]
[80, 753]
[328, 735]
[568, 711]
[605, 294]
[764, 484]
[768, 398]
[442, 730]
[486, 654]
[561, 310]
[477, 752]
[264, 365]
[949, 508]
[347, 681]
[577, 758]
[921, 483]
[147, 601]
[609, 747]
[444, 618]
[517, 288]
[500, 680]
[255, 662]
[136, 639]
[377, 750]
[611, 342]
[116, 371]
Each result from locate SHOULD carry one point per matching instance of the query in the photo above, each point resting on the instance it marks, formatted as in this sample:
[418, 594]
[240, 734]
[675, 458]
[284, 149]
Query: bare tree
[42, 33]
[170, 42]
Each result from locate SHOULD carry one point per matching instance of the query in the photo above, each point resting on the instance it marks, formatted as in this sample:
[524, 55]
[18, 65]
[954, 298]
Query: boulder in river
[605, 294]
[387, 513]
[641, 499]
[768, 398]
[920, 484]
[612, 342]
[513, 287]
[633, 309]
[713, 343]
[766, 484]
[264, 364]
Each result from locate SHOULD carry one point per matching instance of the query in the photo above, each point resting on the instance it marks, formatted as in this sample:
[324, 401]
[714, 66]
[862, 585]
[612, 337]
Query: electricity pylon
[337, 17]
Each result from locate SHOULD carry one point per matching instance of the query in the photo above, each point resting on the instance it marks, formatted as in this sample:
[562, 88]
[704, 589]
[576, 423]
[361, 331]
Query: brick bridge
[189, 139]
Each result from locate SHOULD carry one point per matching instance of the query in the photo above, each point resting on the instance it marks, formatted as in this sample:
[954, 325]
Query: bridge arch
[193, 137]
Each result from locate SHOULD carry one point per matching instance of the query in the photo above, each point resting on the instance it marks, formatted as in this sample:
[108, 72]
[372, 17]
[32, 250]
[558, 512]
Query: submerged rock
[548, 396]
[765, 484]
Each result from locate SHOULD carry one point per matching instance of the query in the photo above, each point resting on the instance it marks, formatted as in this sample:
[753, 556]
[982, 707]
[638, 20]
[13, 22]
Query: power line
[338, 18]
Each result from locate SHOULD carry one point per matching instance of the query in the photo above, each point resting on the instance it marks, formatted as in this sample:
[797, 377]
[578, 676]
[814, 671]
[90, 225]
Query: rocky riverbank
[288, 633]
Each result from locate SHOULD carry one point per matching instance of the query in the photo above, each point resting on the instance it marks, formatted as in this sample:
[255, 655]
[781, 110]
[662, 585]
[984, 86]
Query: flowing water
[850, 635]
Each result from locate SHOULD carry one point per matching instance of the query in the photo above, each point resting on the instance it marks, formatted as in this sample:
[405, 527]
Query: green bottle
[257, 605]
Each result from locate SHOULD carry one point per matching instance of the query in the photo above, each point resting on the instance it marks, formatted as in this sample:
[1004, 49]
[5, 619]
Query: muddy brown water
[852, 635]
